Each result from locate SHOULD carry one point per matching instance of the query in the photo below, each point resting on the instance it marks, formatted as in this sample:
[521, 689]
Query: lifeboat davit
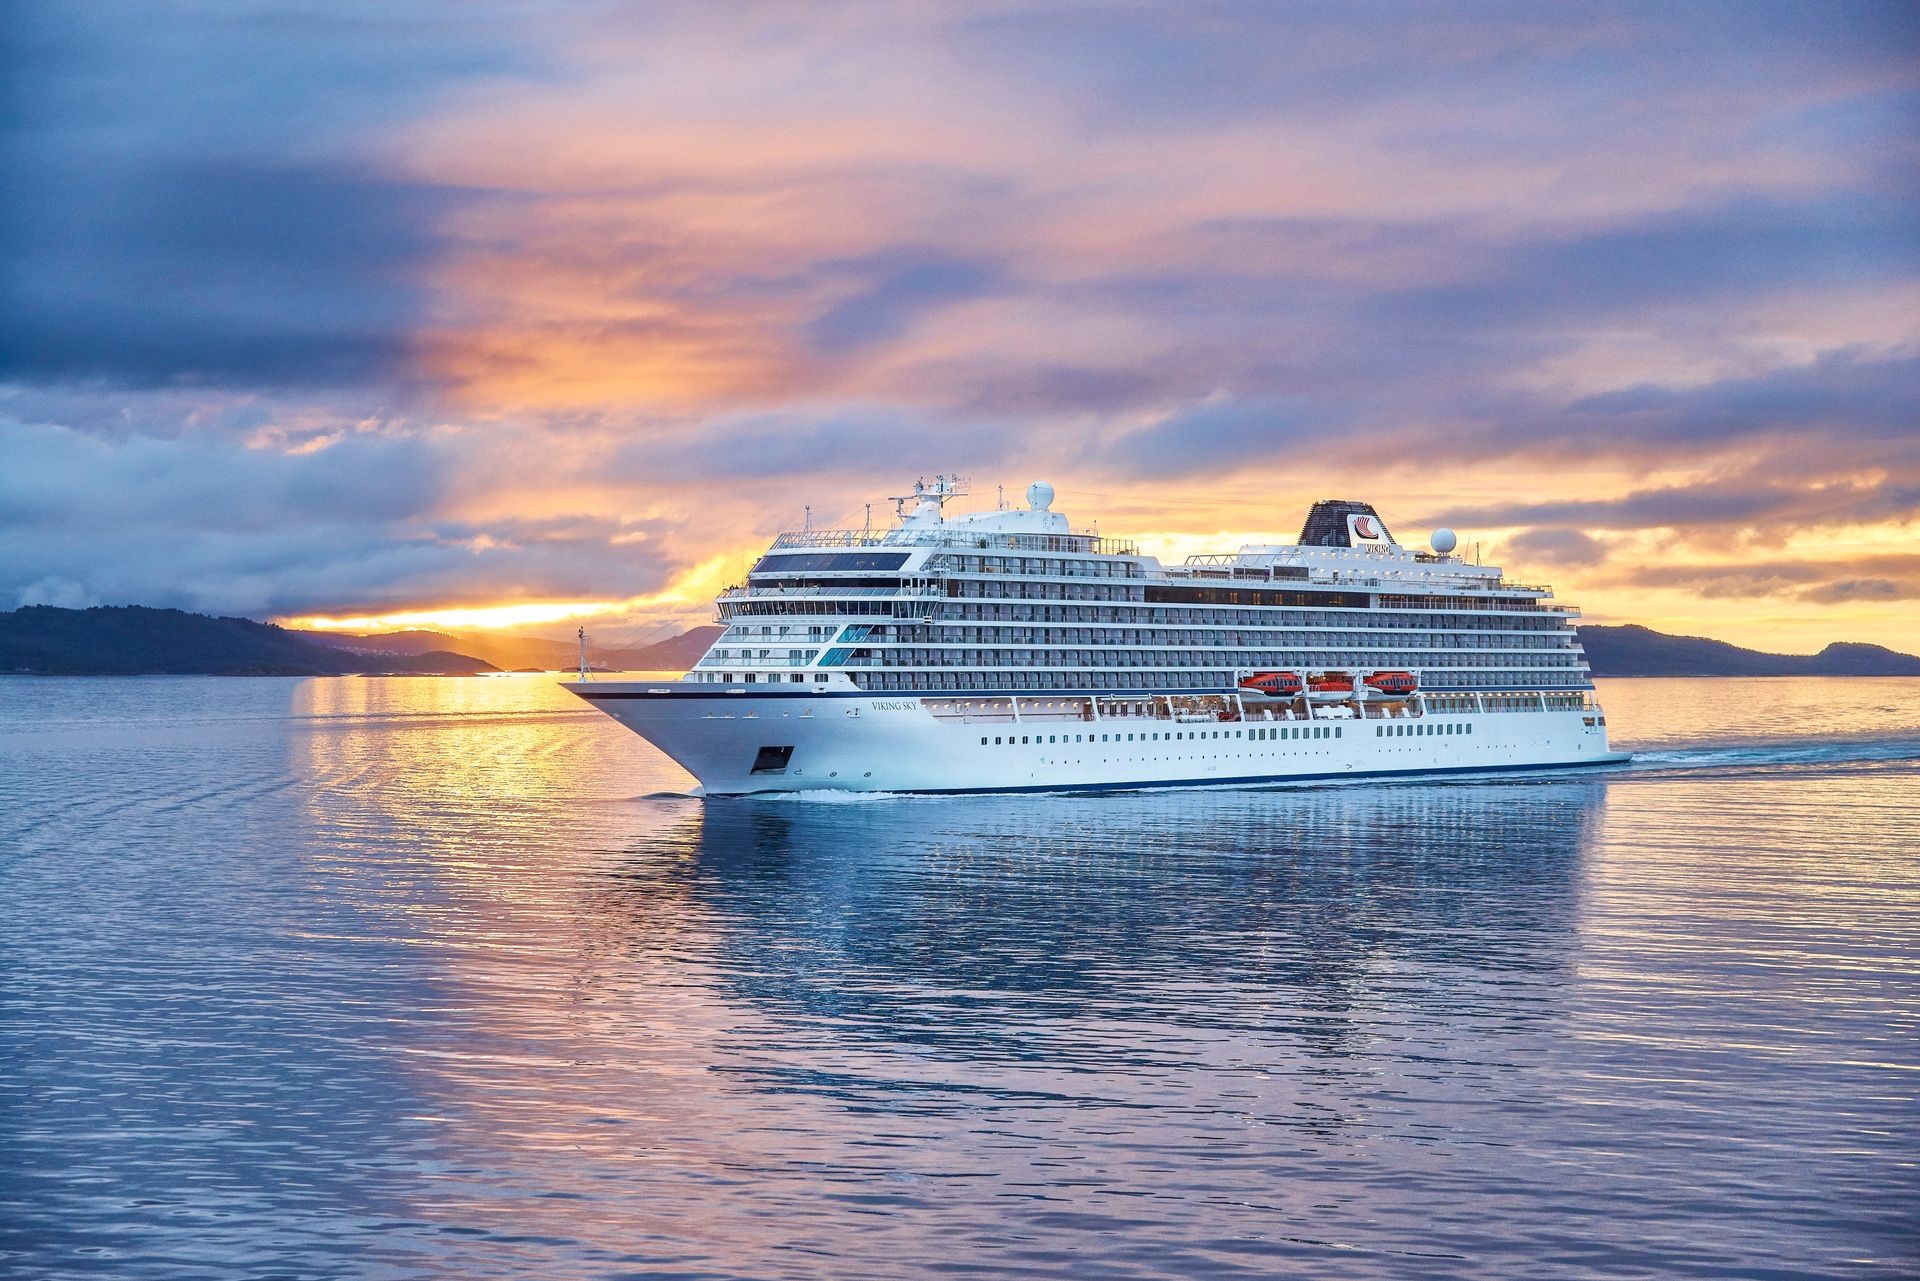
[1392, 684]
[1276, 685]
[1330, 687]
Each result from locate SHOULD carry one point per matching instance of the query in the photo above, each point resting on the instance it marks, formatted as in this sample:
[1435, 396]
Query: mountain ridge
[1631, 649]
[137, 640]
[507, 651]
[134, 640]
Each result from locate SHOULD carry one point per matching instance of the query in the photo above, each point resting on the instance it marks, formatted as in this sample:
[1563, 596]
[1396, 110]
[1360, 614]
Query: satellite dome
[1039, 495]
[1443, 541]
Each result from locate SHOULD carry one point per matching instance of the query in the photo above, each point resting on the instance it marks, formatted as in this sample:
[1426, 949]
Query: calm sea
[448, 978]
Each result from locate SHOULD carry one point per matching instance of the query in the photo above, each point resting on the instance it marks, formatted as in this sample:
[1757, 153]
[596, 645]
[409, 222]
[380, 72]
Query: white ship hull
[879, 743]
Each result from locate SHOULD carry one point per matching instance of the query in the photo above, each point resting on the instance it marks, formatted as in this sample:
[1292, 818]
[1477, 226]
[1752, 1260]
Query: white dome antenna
[1443, 541]
[1040, 495]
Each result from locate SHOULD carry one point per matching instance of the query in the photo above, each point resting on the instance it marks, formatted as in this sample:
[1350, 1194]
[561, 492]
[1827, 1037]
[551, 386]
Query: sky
[471, 313]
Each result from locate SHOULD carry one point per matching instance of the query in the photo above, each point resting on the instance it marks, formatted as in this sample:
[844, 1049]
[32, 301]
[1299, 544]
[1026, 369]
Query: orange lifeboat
[1272, 684]
[1393, 684]
[1330, 686]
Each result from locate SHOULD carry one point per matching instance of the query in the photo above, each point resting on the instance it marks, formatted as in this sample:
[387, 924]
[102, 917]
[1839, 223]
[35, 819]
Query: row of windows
[1157, 680]
[1098, 659]
[1182, 600]
[1176, 593]
[1143, 615]
[1154, 660]
[1017, 634]
[805, 562]
[1035, 566]
[1175, 736]
[813, 607]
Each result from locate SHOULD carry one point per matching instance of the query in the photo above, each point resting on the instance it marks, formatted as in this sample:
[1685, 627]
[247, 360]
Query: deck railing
[763, 593]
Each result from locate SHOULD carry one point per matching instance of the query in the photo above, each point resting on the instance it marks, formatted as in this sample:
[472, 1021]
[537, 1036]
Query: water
[442, 978]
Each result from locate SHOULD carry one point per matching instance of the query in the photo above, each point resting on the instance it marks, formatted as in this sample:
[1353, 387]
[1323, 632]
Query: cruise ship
[1002, 651]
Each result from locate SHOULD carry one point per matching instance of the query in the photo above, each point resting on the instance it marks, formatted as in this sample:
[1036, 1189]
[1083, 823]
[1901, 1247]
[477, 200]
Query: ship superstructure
[1001, 650]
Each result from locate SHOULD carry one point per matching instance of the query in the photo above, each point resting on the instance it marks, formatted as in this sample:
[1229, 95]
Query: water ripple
[449, 978]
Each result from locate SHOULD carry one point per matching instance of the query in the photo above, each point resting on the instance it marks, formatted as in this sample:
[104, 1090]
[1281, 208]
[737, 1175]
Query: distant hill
[502, 651]
[133, 640]
[1633, 650]
[675, 653]
[136, 641]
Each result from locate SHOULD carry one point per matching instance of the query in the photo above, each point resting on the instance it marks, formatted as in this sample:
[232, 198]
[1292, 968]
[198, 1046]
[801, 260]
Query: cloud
[893, 290]
[1857, 589]
[1850, 390]
[314, 309]
[195, 524]
[1690, 254]
[180, 205]
[61, 593]
[1744, 502]
[1893, 576]
[1557, 547]
[1272, 433]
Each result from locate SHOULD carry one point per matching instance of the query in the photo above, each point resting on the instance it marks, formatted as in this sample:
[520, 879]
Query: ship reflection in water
[442, 978]
[1120, 933]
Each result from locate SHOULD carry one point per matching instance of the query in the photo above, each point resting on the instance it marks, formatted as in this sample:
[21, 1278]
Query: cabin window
[983, 742]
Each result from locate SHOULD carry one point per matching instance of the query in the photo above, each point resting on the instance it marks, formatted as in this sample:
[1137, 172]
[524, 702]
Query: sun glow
[691, 590]
[480, 617]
